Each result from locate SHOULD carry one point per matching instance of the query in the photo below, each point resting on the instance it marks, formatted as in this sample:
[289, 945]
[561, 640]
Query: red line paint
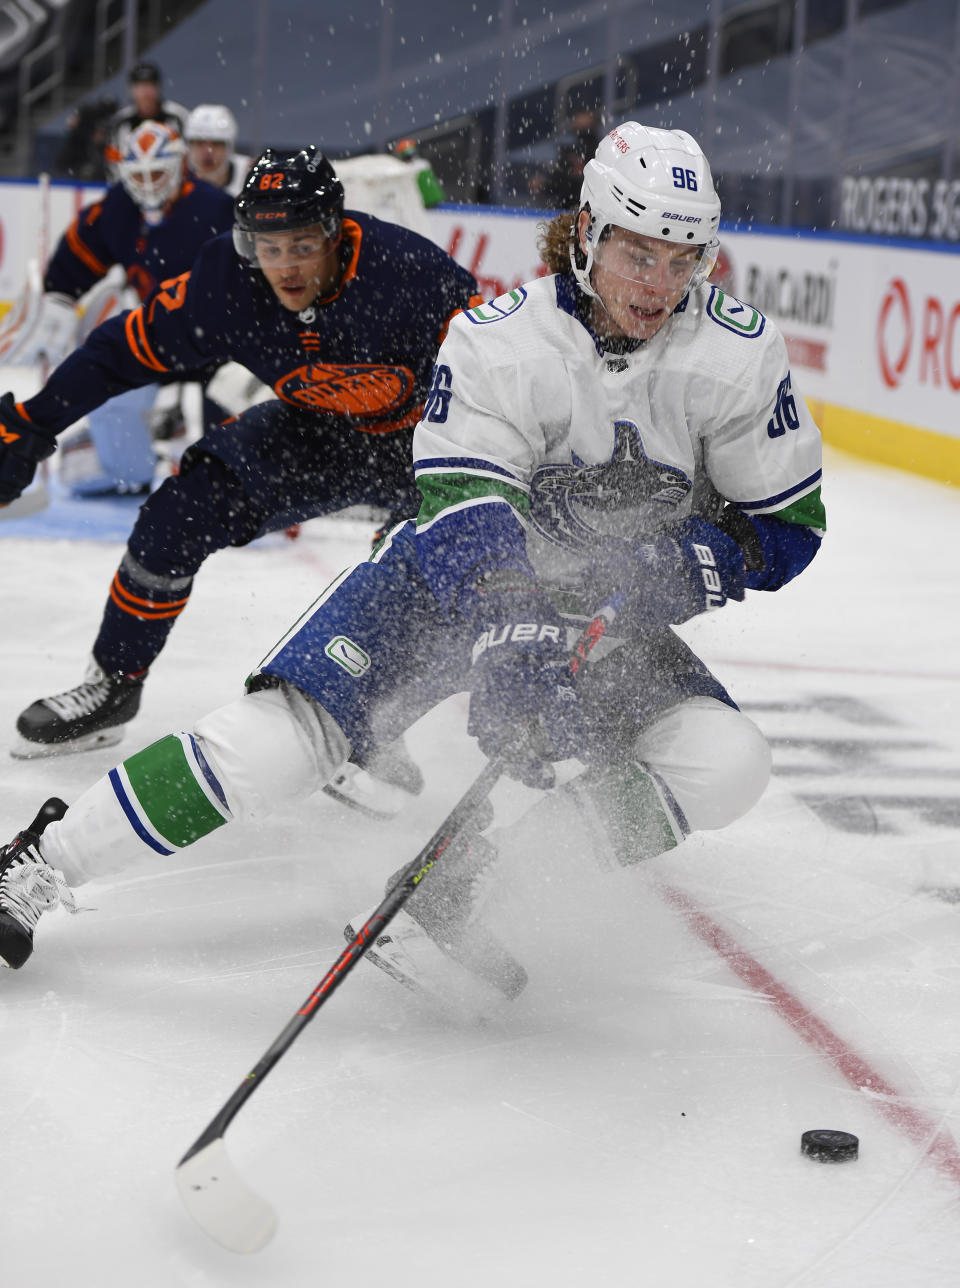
[919, 1127]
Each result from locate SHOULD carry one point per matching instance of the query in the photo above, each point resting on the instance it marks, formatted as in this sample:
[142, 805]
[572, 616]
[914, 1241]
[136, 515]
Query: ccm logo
[711, 578]
[523, 632]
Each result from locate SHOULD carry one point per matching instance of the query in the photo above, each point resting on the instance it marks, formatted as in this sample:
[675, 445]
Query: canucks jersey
[537, 442]
[360, 358]
[114, 231]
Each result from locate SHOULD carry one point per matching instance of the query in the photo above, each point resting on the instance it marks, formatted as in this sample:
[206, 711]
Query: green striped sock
[168, 791]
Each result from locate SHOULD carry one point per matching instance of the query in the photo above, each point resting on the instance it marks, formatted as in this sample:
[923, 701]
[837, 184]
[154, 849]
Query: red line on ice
[919, 1127]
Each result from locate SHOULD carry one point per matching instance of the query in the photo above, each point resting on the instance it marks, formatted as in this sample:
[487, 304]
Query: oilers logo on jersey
[367, 390]
[571, 504]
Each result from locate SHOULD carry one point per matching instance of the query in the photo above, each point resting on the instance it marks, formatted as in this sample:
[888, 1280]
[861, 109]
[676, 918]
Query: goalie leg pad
[124, 457]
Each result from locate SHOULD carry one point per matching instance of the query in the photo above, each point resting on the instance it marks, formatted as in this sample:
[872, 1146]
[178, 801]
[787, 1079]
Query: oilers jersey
[537, 441]
[360, 358]
[113, 231]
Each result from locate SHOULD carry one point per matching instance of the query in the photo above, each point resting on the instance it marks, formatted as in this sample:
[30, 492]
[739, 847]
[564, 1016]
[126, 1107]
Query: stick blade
[222, 1203]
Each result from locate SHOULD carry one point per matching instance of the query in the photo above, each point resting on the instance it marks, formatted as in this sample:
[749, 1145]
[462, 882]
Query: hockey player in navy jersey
[152, 223]
[341, 314]
[620, 434]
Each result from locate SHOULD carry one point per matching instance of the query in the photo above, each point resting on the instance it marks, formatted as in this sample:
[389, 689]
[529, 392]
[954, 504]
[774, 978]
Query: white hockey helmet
[649, 181]
[152, 165]
[211, 121]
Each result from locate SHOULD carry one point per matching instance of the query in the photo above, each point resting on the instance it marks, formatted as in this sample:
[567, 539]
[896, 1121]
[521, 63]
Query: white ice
[635, 1118]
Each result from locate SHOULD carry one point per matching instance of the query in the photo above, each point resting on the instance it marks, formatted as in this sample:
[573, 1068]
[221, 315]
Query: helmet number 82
[271, 180]
[684, 178]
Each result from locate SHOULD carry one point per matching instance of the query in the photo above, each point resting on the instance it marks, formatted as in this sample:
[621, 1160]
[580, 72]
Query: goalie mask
[656, 183]
[153, 165]
[282, 194]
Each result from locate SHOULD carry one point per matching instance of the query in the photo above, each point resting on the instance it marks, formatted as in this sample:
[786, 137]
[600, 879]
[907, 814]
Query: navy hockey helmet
[282, 193]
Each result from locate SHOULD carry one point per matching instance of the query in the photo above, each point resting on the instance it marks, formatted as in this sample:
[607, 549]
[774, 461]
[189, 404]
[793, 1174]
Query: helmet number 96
[684, 178]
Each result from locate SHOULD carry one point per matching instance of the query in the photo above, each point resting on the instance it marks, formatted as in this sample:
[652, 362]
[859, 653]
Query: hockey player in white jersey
[619, 433]
[211, 136]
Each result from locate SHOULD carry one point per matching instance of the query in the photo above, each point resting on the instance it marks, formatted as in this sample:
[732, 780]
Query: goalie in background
[152, 224]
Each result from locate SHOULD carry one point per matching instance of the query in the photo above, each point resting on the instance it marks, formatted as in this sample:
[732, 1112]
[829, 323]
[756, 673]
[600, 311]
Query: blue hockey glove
[22, 447]
[523, 704]
[670, 578]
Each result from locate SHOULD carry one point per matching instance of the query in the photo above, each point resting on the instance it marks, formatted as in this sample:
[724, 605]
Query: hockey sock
[629, 809]
[169, 793]
[156, 802]
[190, 516]
[139, 615]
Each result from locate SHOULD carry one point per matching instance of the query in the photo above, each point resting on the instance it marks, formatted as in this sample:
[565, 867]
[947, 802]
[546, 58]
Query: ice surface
[635, 1118]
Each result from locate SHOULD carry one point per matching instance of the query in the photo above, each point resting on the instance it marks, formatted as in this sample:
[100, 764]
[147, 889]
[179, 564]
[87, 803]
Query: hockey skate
[29, 886]
[382, 786]
[437, 944]
[81, 719]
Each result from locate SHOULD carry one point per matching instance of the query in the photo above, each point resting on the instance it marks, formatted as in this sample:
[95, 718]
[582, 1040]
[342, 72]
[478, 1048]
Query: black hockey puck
[829, 1146]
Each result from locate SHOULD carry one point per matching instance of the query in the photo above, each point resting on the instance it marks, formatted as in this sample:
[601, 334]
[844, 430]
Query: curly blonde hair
[553, 241]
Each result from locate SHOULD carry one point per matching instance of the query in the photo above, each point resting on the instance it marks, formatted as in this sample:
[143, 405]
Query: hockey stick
[213, 1191]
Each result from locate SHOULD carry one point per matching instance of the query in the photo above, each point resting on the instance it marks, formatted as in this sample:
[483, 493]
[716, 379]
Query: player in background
[151, 223]
[341, 315]
[211, 133]
[145, 83]
[618, 433]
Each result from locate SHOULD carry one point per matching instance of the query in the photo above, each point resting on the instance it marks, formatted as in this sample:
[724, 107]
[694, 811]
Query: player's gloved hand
[669, 578]
[523, 704]
[22, 447]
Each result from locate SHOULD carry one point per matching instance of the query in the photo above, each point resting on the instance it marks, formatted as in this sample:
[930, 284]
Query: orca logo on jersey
[571, 504]
[367, 391]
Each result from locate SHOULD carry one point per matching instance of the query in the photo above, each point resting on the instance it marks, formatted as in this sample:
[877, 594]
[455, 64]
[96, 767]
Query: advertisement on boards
[868, 326]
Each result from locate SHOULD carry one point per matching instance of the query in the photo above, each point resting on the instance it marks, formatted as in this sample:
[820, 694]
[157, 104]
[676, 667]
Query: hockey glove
[523, 704]
[22, 447]
[670, 578]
